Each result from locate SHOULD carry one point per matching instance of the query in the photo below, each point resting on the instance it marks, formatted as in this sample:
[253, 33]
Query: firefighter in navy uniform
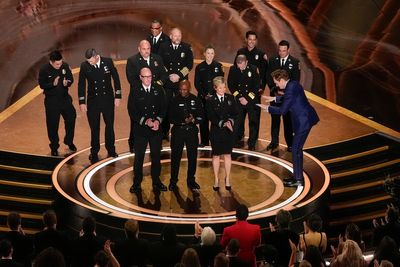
[258, 58]
[147, 109]
[243, 82]
[178, 61]
[133, 66]
[292, 65]
[157, 37]
[55, 78]
[185, 111]
[205, 72]
[97, 72]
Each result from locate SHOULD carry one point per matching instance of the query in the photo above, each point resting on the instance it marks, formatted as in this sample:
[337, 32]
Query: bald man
[144, 58]
[178, 60]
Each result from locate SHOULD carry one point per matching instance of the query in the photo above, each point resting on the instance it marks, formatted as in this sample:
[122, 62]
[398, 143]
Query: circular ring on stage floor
[101, 187]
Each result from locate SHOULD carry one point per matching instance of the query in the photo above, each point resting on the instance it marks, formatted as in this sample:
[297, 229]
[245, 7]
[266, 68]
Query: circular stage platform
[102, 189]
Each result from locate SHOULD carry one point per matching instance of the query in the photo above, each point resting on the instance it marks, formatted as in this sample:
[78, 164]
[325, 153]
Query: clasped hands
[189, 119]
[55, 82]
[153, 124]
[228, 124]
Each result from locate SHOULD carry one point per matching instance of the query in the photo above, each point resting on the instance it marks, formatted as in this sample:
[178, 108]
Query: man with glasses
[147, 109]
[133, 66]
[97, 72]
[157, 37]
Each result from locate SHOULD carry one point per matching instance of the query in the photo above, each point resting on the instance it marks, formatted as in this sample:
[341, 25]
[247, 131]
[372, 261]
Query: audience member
[271, 256]
[384, 263]
[6, 251]
[105, 258]
[85, 248]
[132, 251]
[168, 251]
[22, 245]
[232, 252]
[221, 260]
[387, 250]
[249, 235]
[50, 236]
[314, 257]
[49, 257]
[279, 238]
[190, 258]
[389, 227]
[312, 234]
[207, 248]
[350, 256]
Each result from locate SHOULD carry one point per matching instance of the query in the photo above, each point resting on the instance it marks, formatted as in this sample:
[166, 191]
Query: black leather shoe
[135, 189]
[228, 187]
[172, 187]
[193, 185]
[252, 148]
[112, 155]
[272, 146]
[289, 149]
[215, 188]
[132, 150]
[72, 147]
[202, 145]
[93, 158]
[159, 187]
[54, 152]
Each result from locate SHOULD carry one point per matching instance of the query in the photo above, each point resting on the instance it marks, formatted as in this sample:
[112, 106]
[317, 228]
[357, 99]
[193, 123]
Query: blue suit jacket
[295, 100]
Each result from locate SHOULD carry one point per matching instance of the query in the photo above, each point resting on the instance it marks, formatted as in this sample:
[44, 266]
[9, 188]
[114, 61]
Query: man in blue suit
[304, 118]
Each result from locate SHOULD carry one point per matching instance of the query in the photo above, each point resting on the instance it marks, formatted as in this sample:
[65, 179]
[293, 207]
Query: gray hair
[208, 236]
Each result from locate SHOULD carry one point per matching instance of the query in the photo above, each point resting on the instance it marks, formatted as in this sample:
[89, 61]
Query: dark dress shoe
[172, 187]
[135, 189]
[202, 145]
[215, 188]
[54, 152]
[228, 187]
[289, 149]
[252, 148]
[93, 158]
[159, 187]
[132, 150]
[272, 146]
[193, 185]
[72, 147]
[112, 155]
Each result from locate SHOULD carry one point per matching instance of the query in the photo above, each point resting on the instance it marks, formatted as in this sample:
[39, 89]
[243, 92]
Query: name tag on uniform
[181, 105]
[182, 55]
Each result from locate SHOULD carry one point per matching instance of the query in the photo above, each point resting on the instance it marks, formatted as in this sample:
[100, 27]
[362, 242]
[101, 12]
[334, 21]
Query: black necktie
[154, 40]
[282, 62]
[221, 99]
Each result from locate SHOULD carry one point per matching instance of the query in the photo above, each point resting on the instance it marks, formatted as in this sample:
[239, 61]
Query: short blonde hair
[208, 236]
[218, 81]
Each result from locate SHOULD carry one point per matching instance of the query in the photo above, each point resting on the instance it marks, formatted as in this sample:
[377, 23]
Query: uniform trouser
[181, 136]
[297, 154]
[204, 126]
[140, 145]
[56, 107]
[249, 109]
[102, 105]
[165, 125]
[258, 116]
[131, 136]
[287, 128]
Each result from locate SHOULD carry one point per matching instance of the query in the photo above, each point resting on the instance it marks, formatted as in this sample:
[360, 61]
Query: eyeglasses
[153, 28]
[148, 77]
